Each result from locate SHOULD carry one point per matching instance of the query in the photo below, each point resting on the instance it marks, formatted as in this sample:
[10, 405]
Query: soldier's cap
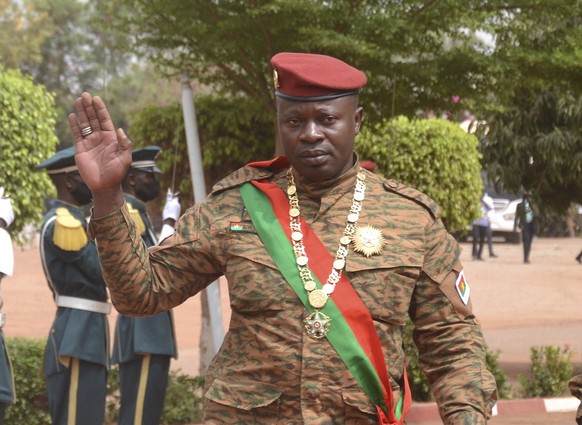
[61, 162]
[144, 159]
[308, 77]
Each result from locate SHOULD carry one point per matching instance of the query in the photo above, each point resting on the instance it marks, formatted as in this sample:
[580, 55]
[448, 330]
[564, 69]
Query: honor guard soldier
[143, 346]
[325, 261]
[7, 394]
[76, 359]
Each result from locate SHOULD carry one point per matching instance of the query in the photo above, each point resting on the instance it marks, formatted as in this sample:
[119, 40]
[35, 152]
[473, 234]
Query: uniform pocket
[384, 284]
[358, 406]
[261, 287]
[245, 395]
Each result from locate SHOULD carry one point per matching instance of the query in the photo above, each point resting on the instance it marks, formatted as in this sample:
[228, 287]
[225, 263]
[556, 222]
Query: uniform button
[392, 184]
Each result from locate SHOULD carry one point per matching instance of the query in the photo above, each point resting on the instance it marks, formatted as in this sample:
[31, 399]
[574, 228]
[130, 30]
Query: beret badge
[276, 79]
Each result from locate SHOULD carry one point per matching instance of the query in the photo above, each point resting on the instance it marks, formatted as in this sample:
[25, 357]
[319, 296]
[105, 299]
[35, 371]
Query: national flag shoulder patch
[236, 226]
[462, 287]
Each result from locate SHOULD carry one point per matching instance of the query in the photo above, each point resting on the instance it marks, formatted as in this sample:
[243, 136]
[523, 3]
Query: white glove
[7, 257]
[6, 211]
[172, 209]
[167, 231]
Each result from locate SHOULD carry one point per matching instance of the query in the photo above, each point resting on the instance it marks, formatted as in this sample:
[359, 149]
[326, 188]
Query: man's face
[146, 185]
[318, 137]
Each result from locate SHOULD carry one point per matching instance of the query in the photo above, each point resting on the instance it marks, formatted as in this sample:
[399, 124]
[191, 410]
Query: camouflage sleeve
[144, 282]
[448, 336]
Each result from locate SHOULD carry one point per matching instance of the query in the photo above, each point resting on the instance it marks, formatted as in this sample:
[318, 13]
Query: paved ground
[519, 305]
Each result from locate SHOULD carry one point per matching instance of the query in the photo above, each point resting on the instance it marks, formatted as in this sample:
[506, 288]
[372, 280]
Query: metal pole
[199, 186]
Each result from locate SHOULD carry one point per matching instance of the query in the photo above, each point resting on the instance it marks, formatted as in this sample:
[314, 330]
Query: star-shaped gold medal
[368, 240]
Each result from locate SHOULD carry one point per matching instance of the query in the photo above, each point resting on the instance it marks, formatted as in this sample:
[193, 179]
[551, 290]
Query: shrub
[550, 371]
[183, 399]
[501, 378]
[434, 156]
[31, 405]
[183, 404]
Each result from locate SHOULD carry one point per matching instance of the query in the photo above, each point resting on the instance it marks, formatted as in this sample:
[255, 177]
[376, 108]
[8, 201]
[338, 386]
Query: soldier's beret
[61, 162]
[145, 158]
[308, 77]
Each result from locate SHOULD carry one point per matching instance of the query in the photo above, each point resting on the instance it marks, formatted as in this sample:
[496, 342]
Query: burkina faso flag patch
[463, 287]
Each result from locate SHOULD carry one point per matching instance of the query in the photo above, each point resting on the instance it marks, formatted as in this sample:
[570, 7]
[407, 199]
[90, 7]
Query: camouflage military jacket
[268, 370]
[135, 336]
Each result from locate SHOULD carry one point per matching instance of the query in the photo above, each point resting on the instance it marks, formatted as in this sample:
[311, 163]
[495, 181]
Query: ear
[358, 118]
[69, 181]
[131, 179]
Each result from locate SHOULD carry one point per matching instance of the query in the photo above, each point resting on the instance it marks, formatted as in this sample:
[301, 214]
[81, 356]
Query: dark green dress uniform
[76, 358]
[7, 394]
[143, 347]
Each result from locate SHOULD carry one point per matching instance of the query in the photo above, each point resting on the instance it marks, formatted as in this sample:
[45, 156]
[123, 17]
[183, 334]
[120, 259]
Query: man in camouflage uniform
[324, 261]
[76, 359]
[143, 346]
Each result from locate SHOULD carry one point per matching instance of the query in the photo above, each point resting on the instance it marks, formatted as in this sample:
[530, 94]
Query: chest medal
[368, 241]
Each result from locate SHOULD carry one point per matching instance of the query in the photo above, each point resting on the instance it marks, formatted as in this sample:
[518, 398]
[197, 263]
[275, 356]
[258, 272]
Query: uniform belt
[83, 304]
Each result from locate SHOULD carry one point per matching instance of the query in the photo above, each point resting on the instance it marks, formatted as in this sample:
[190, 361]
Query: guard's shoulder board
[69, 234]
[136, 217]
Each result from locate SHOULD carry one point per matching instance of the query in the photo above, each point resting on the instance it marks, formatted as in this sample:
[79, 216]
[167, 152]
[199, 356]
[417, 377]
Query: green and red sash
[352, 333]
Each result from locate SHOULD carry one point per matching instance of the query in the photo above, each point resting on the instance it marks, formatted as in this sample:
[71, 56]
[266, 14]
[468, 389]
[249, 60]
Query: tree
[536, 146]
[416, 54]
[79, 55]
[532, 139]
[223, 124]
[23, 29]
[434, 156]
[27, 137]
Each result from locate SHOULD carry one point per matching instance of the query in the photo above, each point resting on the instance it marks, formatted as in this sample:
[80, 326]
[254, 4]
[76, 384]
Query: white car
[502, 221]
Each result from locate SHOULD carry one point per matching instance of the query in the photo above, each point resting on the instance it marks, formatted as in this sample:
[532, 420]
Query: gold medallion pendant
[317, 325]
[368, 241]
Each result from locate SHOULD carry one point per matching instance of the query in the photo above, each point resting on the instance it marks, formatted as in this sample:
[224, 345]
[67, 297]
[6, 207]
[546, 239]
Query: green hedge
[183, 399]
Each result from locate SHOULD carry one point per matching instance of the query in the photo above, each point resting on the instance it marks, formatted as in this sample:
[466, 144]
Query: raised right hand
[103, 156]
[102, 153]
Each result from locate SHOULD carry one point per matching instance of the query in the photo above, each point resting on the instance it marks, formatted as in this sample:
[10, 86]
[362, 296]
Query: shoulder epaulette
[240, 176]
[69, 234]
[395, 186]
[136, 217]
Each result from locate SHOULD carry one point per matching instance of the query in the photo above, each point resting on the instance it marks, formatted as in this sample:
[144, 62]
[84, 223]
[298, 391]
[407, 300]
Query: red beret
[310, 77]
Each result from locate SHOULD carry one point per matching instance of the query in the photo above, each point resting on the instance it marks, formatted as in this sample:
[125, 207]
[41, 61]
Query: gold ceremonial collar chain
[317, 324]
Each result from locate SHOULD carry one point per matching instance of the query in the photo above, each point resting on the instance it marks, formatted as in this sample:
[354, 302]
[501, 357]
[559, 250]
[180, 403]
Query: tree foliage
[536, 146]
[23, 29]
[227, 140]
[416, 54]
[27, 137]
[77, 55]
[434, 156]
[534, 139]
